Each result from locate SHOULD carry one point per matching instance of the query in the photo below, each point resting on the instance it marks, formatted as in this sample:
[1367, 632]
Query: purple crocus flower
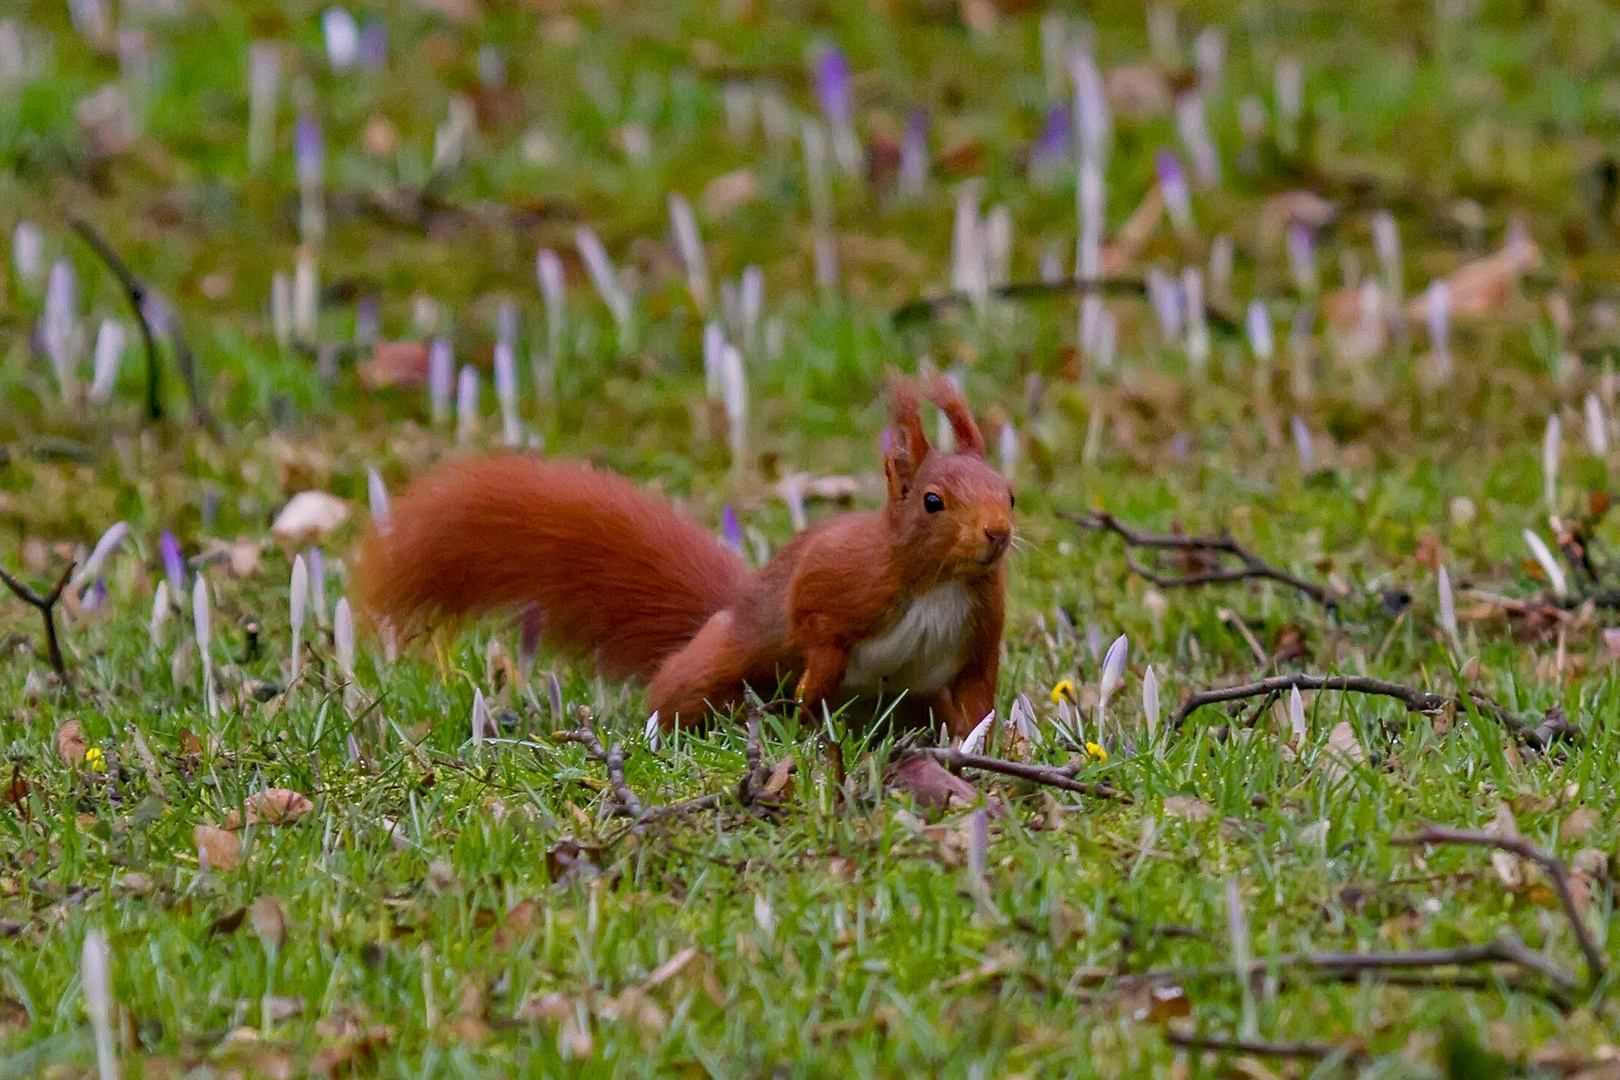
[914, 152]
[366, 321]
[1053, 141]
[1050, 150]
[309, 149]
[374, 45]
[1173, 187]
[174, 563]
[94, 596]
[731, 529]
[833, 91]
[832, 86]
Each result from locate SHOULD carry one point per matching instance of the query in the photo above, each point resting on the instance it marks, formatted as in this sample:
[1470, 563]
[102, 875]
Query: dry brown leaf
[931, 785]
[245, 558]
[518, 924]
[222, 847]
[552, 1007]
[779, 787]
[1344, 752]
[670, 968]
[396, 363]
[269, 921]
[308, 518]
[728, 191]
[1577, 825]
[70, 743]
[272, 806]
[1484, 287]
[1134, 234]
[1187, 808]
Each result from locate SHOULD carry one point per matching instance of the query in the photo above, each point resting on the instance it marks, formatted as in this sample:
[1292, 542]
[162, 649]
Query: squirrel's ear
[904, 444]
[969, 439]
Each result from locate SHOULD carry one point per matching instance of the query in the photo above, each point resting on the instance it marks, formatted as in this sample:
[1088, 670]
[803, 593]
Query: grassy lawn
[329, 874]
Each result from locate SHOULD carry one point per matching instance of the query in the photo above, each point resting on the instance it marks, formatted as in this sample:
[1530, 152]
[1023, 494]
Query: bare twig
[748, 791]
[46, 606]
[1258, 1048]
[1035, 774]
[626, 800]
[932, 306]
[140, 296]
[1596, 963]
[1414, 699]
[1251, 566]
[1413, 967]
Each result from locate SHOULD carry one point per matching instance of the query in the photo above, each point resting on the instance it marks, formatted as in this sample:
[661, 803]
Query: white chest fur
[921, 651]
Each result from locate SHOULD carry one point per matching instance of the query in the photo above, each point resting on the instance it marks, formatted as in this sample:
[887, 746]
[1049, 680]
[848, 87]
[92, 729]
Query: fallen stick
[46, 606]
[1596, 962]
[1216, 547]
[1414, 699]
[1259, 1048]
[628, 802]
[141, 296]
[1049, 775]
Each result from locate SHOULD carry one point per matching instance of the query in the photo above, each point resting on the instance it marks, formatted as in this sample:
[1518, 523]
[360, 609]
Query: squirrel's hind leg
[707, 673]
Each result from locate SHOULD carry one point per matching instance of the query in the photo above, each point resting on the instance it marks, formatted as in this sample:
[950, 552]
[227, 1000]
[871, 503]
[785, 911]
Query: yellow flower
[1096, 752]
[1064, 689]
[95, 759]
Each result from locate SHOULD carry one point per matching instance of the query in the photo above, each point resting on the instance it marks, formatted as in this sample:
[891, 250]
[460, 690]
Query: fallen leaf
[1484, 287]
[728, 191]
[228, 923]
[552, 1007]
[70, 744]
[18, 789]
[1577, 825]
[13, 1015]
[222, 847]
[137, 882]
[932, 786]
[570, 859]
[1187, 808]
[1344, 752]
[272, 806]
[518, 924]
[269, 921]
[779, 787]
[670, 968]
[396, 363]
[309, 517]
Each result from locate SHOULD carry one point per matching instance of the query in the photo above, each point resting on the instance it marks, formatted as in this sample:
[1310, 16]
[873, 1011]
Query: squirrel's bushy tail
[611, 573]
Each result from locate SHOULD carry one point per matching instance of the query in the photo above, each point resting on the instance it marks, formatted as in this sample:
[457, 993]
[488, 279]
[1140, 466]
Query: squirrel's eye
[933, 503]
[1012, 501]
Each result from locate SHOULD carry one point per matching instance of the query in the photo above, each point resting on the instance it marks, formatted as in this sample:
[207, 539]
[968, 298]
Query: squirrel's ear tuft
[969, 439]
[905, 445]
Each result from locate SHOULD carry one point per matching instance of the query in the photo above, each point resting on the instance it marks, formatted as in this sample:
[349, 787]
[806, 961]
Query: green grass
[430, 926]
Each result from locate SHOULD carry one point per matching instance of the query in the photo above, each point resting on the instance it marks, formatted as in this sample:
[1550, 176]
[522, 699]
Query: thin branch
[1596, 962]
[1415, 700]
[1216, 547]
[1258, 1048]
[1414, 967]
[626, 802]
[625, 799]
[140, 295]
[46, 606]
[1035, 774]
[930, 307]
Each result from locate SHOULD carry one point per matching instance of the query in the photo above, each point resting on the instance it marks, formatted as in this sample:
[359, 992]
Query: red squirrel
[907, 598]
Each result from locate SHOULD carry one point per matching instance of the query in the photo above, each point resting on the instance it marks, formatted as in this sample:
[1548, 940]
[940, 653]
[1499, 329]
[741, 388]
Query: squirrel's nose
[998, 535]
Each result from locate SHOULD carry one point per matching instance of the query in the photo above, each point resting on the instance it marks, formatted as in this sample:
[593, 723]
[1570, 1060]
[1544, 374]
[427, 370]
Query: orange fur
[647, 593]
